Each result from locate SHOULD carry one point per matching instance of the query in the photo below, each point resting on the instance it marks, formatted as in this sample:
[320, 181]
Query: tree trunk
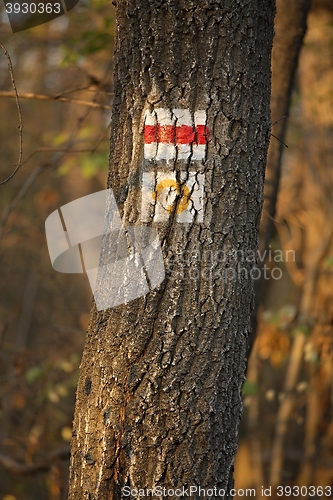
[159, 395]
[290, 28]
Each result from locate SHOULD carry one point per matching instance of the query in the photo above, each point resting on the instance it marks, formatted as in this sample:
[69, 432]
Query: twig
[57, 157]
[277, 121]
[42, 97]
[290, 233]
[21, 468]
[70, 91]
[87, 88]
[67, 149]
[271, 135]
[20, 127]
[272, 218]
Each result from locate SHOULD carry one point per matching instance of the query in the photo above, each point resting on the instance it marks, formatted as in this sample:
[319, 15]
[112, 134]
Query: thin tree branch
[70, 91]
[277, 121]
[275, 137]
[57, 157]
[86, 88]
[67, 149]
[21, 468]
[69, 100]
[20, 127]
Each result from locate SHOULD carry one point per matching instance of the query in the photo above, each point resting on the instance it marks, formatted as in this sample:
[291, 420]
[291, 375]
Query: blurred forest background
[44, 314]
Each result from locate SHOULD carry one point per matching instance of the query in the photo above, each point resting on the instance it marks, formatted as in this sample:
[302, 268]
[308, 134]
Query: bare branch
[59, 154]
[42, 97]
[277, 121]
[275, 137]
[30, 180]
[14, 94]
[21, 468]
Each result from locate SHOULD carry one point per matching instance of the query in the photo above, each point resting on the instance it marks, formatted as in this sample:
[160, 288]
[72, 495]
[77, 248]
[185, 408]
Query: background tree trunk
[290, 28]
[159, 395]
[306, 209]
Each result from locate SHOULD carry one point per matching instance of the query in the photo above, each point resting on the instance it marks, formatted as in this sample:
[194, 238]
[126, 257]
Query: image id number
[33, 8]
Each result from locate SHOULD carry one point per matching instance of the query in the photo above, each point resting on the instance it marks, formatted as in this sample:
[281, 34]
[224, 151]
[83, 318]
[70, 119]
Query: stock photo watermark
[87, 235]
[23, 14]
[232, 265]
[215, 492]
[124, 263]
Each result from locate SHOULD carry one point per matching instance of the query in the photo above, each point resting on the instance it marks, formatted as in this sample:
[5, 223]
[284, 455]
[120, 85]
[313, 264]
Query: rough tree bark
[159, 394]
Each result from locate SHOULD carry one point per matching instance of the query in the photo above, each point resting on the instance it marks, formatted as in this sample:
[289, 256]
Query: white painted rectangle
[160, 191]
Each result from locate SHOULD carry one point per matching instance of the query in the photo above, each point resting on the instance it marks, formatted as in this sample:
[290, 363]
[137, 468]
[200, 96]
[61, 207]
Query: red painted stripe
[169, 134]
[201, 134]
[166, 133]
[150, 134]
[185, 134]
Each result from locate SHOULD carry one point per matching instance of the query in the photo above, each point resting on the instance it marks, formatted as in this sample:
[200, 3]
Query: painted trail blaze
[174, 135]
[159, 194]
[170, 136]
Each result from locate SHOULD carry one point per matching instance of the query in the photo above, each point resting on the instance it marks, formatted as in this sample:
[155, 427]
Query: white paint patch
[160, 192]
[183, 117]
[166, 124]
[150, 148]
